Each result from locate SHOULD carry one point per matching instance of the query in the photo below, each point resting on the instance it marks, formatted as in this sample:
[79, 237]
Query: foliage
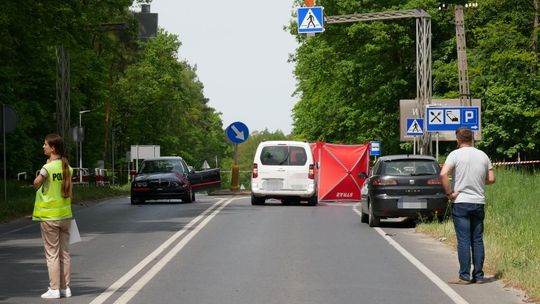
[111, 74]
[351, 77]
[159, 101]
[30, 32]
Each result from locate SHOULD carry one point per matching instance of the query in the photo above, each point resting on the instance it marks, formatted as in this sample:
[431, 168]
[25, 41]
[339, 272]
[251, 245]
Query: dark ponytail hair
[57, 142]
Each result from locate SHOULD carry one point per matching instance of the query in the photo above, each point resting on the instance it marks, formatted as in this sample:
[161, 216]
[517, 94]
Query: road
[224, 250]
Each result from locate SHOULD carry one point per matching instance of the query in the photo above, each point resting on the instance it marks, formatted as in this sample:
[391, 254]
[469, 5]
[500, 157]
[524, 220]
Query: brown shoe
[459, 281]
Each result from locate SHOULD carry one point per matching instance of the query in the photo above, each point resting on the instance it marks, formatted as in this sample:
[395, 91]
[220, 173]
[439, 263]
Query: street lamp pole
[80, 142]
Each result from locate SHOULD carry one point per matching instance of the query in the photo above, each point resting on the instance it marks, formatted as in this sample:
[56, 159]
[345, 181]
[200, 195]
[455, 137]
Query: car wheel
[135, 201]
[373, 220]
[257, 200]
[313, 200]
[188, 198]
[364, 217]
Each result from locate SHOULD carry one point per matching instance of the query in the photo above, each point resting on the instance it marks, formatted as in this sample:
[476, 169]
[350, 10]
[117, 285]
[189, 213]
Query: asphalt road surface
[224, 250]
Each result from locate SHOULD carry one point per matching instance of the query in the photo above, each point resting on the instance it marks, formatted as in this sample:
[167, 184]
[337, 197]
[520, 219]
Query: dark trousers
[469, 224]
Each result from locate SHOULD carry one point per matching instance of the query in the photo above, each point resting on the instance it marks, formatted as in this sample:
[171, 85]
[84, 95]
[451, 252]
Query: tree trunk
[534, 43]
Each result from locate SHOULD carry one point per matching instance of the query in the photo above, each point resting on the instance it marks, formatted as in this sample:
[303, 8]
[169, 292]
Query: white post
[437, 146]
[80, 143]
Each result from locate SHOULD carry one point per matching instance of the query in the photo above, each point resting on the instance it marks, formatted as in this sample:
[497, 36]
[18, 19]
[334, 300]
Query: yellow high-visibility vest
[50, 204]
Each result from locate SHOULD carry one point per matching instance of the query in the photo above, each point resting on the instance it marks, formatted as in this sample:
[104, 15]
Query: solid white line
[454, 296]
[138, 286]
[131, 273]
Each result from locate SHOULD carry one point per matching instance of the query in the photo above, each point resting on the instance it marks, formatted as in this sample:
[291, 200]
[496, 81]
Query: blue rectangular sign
[452, 118]
[375, 148]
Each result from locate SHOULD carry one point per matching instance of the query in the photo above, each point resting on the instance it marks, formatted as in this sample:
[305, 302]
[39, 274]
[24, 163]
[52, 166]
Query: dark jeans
[469, 224]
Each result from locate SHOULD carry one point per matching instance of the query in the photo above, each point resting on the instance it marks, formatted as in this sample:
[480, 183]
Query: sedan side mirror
[362, 175]
[191, 169]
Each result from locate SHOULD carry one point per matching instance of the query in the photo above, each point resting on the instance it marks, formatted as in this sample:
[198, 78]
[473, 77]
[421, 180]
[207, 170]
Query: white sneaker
[66, 293]
[51, 294]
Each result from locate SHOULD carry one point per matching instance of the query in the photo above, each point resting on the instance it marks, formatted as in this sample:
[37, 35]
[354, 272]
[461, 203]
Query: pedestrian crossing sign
[310, 19]
[415, 126]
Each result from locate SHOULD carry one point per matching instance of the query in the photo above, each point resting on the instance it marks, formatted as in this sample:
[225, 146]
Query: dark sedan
[403, 186]
[170, 178]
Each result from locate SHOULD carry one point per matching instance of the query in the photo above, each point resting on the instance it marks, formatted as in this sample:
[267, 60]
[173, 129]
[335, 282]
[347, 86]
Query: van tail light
[311, 174]
[434, 181]
[255, 171]
[384, 182]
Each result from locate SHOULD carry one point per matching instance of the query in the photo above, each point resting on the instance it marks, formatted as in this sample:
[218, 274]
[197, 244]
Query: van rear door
[273, 160]
[298, 169]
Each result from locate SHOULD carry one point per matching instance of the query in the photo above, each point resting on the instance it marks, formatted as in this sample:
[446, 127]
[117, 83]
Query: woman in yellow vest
[52, 208]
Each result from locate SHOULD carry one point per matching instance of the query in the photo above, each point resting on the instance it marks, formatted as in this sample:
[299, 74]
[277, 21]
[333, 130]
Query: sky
[240, 50]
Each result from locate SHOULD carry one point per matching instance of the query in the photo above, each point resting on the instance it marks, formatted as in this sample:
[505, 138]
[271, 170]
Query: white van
[283, 170]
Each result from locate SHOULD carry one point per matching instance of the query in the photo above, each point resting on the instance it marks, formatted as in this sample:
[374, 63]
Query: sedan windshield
[161, 166]
[410, 167]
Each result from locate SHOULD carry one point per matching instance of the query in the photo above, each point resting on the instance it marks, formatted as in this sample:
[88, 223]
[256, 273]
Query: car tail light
[434, 181]
[311, 174]
[255, 171]
[384, 182]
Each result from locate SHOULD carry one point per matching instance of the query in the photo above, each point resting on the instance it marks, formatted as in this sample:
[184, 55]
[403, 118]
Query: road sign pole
[235, 172]
[437, 146]
[414, 146]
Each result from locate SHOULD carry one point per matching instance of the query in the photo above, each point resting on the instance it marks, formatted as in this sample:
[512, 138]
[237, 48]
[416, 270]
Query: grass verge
[511, 230]
[20, 198]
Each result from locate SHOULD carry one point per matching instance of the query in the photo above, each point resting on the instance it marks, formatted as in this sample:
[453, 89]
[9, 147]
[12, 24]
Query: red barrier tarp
[339, 166]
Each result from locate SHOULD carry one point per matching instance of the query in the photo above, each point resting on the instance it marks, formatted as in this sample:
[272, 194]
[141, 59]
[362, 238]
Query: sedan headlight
[140, 184]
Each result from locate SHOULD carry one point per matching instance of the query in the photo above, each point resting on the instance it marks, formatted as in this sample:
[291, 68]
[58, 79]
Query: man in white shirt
[471, 170]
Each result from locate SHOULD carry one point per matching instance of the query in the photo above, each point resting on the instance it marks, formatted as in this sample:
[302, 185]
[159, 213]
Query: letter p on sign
[469, 115]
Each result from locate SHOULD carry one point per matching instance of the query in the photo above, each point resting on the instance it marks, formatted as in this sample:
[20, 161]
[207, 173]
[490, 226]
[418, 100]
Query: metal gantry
[62, 91]
[423, 53]
[464, 90]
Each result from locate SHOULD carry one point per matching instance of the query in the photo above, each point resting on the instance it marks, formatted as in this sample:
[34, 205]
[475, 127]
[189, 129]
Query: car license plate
[406, 203]
[273, 184]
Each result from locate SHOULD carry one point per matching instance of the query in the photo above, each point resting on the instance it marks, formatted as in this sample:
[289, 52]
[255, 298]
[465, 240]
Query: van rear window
[283, 156]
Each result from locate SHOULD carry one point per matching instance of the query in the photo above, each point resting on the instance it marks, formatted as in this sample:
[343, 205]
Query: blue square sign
[310, 19]
[375, 148]
[415, 126]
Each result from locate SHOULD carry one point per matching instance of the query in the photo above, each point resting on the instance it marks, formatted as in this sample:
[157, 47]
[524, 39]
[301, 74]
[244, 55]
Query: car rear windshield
[410, 167]
[161, 166]
[283, 156]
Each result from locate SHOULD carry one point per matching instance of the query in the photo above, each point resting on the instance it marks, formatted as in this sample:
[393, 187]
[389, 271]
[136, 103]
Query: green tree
[30, 31]
[351, 77]
[159, 101]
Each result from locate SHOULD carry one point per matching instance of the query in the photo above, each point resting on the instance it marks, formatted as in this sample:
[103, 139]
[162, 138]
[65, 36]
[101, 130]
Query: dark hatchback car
[403, 186]
[170, 178]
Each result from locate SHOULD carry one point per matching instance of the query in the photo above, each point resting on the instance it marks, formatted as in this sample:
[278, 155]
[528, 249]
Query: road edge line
[452, 294]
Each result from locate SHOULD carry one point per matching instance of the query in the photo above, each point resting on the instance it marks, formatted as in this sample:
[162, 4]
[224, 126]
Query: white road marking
[138, 286]
[132, 272]
[454, 296]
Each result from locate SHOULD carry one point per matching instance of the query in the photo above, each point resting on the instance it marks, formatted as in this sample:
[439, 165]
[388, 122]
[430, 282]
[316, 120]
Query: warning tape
[517, 163]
